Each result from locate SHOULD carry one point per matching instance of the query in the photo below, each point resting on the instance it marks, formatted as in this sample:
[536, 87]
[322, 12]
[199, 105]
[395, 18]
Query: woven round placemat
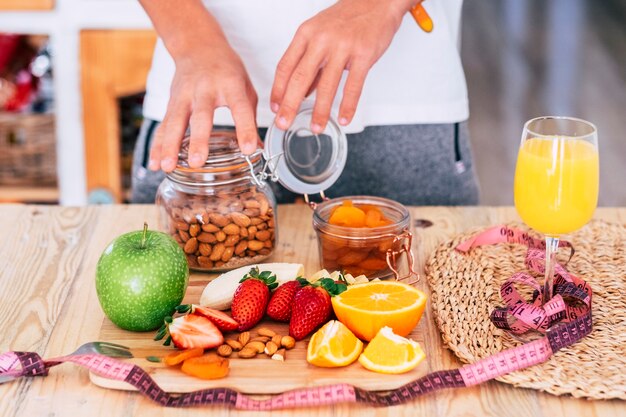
[466, 288]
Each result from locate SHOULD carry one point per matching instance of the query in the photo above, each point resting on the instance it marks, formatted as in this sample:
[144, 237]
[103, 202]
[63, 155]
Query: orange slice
[389, 353]
[333, 345]
[367, 308]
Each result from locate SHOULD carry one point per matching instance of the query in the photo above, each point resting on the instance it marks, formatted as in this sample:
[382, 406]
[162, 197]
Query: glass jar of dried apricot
[363, 235]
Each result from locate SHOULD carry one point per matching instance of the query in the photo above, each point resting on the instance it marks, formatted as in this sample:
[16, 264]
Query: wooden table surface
[48, 304]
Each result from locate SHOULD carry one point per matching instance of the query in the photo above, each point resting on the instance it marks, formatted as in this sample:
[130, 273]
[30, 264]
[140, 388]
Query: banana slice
[218, 293]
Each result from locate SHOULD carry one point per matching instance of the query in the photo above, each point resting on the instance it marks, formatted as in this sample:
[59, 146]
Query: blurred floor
[528, 58]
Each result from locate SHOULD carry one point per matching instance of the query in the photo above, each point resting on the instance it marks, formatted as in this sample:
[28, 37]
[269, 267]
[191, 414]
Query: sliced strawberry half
[190, 331]
[223, 321]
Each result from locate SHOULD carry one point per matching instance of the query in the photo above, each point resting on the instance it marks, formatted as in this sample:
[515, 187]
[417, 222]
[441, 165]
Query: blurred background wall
[71, 93]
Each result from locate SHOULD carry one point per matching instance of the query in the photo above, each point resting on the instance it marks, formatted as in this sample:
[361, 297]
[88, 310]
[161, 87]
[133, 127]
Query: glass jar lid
[224, 164]
[305, 162]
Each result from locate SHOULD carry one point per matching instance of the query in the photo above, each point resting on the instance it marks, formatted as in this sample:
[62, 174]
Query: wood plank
[39, 261]
[113, 64]
[80, 323]
[26, 5]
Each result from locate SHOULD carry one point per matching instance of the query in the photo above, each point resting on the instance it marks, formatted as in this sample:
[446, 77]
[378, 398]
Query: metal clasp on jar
[405, 240]
[270, 164]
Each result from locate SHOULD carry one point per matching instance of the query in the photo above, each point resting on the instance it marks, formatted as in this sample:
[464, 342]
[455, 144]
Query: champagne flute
[556, 181]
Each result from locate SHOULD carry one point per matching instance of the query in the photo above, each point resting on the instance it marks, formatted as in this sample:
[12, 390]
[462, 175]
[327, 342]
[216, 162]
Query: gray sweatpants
[412, 164]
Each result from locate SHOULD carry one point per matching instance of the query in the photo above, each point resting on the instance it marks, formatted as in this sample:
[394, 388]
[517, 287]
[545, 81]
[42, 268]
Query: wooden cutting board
[260, 375]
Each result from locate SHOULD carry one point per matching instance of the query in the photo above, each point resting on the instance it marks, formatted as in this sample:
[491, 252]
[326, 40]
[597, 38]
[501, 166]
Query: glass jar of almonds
[219, 215]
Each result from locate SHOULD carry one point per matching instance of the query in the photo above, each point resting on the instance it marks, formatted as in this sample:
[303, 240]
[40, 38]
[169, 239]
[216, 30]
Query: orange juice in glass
[556, 180]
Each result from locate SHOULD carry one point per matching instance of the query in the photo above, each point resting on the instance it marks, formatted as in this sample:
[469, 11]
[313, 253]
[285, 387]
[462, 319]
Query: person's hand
[350, 35]
[208, 77]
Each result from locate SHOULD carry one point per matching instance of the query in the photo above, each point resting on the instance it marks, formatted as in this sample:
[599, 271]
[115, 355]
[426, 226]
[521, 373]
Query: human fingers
[201, 124]
[286, 66]
[297, 87]
[243, 108]
[155, 149]
[352, 91]
[174, 127]
[326, 91]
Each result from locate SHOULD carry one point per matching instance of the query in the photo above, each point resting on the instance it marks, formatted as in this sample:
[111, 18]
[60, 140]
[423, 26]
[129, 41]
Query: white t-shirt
[418, 80]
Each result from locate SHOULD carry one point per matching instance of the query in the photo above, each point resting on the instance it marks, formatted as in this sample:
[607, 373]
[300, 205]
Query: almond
[219, 219]
[277, 339]
[251, 204]
[247, 353]
[262, 235]
[241, 247]
[288, 342]
[206, 237]
[204, 219]
[180, 225]
[217, 252]
[194, 229]
[243, 231]
[220, 236]
[264, 331]
[270, 348]
[184, 236]
[205, 249]
[268, 244]
[251, 213]
[262, 339]
[191, 246]
[210, 227]
[232, 240]
[252, 232]
[256, 345]
[228, 253]
[255, 220]
[192, 260]
[240, 219]
[231, 229]
[265, 206]
[234, 344]
[279, 355]
[244, 338]
[224, 350]
[189, 216]
[254, 245]
[205, 262]
[261, 226]
[236, 207]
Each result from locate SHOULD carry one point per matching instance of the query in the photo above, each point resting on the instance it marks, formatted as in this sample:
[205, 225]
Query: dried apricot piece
[175, 358]
[352, 258]
[372, 218]
[373, 263]
[206, 367]
[348, 216]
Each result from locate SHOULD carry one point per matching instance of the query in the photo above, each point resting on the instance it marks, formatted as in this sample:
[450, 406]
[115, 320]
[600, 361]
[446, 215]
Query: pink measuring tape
[567, 319]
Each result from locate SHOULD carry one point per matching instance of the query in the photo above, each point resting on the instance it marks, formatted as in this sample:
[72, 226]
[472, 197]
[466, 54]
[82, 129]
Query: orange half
[367, 308]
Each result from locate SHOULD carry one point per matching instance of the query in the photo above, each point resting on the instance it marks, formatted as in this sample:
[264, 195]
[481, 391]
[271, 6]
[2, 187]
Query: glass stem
[552, 246]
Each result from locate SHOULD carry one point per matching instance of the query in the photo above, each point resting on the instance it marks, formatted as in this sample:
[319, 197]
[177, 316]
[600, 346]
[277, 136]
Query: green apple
[140, 278]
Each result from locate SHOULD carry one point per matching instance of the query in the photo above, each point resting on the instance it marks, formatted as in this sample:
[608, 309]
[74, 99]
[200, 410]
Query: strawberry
[223, 321]
[190, 331]
[312, 306]
[251, 297]
[281, 302]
